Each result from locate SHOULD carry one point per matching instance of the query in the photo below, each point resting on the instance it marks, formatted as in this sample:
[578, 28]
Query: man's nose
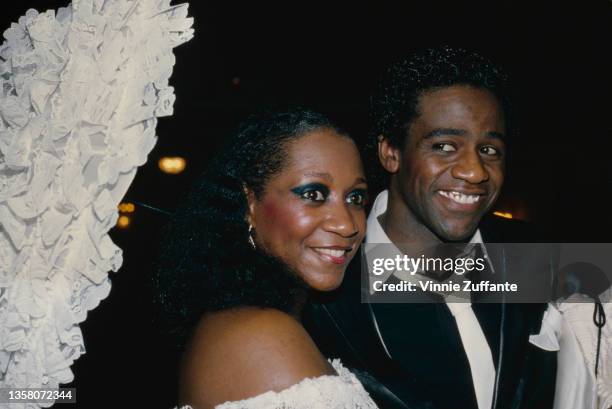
[341, 220]
[470, 167]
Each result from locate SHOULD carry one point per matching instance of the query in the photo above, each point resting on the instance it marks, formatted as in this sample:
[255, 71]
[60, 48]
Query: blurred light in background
[505, 215]
[172, 165]
[236, 81]
[126, 207]
[123, 222]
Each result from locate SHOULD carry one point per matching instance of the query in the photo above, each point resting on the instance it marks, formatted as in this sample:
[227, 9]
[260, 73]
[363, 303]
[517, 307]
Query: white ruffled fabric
[80, 91]
[342, 391]
[568, 327]
[579, 316]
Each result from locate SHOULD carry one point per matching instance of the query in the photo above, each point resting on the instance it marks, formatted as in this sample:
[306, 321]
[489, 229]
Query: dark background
[250, 54]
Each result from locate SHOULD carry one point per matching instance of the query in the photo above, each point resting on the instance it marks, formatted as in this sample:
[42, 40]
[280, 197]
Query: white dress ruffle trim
[342, 391]
[579, 316]
[80, 91]
[568, 327]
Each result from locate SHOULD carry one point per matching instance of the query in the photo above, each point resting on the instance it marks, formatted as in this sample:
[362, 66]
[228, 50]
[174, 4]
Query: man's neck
[401, 226]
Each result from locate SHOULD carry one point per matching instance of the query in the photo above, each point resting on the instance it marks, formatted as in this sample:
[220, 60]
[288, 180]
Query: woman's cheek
[281, 218]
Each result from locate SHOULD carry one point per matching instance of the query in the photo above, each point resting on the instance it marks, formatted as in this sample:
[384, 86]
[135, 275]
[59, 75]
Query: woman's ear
[251, 202]
[388, 154]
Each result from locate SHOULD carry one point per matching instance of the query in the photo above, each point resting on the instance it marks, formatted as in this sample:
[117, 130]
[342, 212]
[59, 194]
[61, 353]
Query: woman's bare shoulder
[240, 353]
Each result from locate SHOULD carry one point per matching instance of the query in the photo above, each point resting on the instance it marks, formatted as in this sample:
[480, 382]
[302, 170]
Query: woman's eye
[313, 195]
[357, 198]
[490, 150]
[312, 192]
[444, 147]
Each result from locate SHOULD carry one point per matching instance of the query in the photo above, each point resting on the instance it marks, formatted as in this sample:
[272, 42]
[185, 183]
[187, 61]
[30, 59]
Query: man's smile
[459, 197]
[455, 200]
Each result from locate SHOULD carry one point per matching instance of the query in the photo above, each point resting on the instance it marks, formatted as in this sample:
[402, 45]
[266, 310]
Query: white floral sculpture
[80, 91]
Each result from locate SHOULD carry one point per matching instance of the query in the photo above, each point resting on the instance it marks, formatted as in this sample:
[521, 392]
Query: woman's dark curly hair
[395, 101]
[207, 263]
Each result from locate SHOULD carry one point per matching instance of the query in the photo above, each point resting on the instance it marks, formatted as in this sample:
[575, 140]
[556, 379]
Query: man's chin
[457, 233]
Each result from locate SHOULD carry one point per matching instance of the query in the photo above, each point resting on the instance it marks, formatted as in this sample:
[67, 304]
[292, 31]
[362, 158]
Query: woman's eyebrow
[329, 177]
[322, 175]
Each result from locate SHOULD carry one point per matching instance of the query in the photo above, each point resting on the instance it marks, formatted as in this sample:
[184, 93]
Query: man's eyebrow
[459, 132]
[495, 134]
[445, 131]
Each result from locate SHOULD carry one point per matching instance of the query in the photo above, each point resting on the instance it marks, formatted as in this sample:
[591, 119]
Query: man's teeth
[460, 197]
[331, 252]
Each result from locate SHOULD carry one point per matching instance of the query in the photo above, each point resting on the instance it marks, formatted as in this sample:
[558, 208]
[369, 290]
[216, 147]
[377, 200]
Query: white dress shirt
[473, 339]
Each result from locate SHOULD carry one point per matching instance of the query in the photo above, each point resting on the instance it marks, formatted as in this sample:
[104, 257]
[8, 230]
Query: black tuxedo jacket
[422, 363]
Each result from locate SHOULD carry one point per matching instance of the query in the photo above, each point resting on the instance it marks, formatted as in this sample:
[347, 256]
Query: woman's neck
[299, 303]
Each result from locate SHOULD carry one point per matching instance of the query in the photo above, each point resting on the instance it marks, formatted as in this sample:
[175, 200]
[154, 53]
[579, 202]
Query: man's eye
[357, 198]
[490, 150]
[444, 147]
[313, 195]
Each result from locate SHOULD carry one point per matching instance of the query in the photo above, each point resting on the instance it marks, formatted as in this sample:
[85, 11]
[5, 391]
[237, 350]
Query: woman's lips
[335, 255]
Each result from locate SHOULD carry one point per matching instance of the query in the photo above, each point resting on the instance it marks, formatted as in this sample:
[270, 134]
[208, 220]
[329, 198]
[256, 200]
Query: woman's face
[311, 214]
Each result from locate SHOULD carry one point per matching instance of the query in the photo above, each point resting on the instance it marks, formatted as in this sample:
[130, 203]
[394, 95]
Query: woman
[279, 214]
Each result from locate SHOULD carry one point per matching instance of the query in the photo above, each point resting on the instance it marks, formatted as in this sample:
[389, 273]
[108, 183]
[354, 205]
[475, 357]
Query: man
[441, 123]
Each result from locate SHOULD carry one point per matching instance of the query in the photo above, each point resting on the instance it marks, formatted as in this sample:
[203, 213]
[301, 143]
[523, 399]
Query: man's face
[451, 169]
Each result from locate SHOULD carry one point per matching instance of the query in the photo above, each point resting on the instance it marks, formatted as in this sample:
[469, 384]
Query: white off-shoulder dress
[342, 391]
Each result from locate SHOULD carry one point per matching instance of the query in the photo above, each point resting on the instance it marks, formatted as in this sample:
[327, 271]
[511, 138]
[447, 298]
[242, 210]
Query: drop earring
[251, 240]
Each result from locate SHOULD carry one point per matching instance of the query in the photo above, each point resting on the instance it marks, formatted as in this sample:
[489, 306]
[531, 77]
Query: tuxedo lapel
[515, 334]
[489, 318]
[424, 340]
[506, 329]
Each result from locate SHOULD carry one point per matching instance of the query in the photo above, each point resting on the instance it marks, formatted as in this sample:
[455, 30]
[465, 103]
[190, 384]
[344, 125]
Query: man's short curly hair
[395, 100]
[206, 263]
